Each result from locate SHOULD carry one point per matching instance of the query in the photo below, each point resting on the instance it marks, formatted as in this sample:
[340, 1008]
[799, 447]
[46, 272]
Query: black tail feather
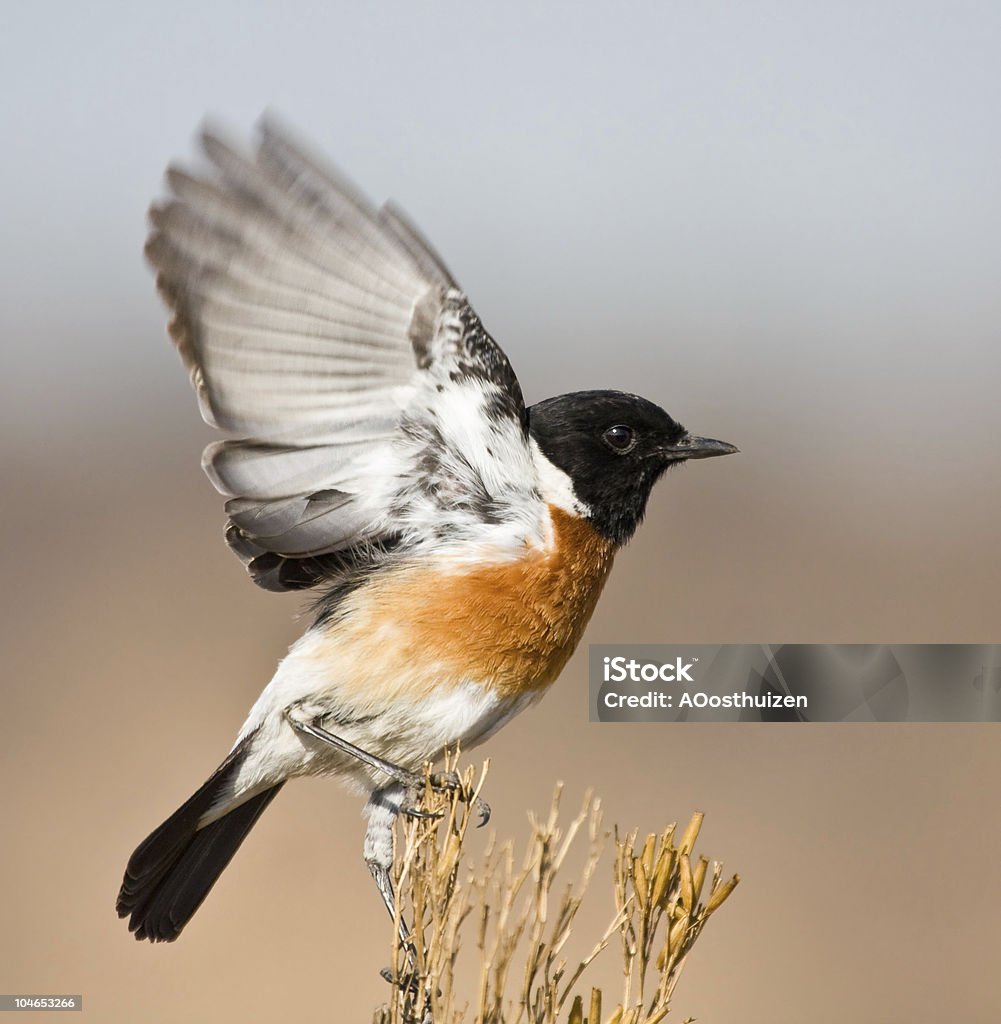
[173, 869]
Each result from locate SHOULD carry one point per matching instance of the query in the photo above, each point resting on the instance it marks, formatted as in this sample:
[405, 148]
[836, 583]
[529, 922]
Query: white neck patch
[556, 486]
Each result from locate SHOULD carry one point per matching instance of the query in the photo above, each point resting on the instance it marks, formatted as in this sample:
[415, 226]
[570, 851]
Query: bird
[379, 455]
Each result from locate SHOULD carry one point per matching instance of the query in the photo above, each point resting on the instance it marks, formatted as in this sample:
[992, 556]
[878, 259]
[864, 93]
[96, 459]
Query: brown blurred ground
[871, 855]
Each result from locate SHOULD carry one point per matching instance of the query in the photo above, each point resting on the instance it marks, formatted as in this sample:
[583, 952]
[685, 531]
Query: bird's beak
[697, 448]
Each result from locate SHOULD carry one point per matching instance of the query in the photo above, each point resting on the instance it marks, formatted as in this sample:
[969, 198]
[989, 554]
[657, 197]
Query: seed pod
[649, 849]
[677, 934]
[662, 877]
[721, 893]
[576, 1011]
[640, 882]
[687, 884]
[699, 876]
[691, 833]
[594, 1013]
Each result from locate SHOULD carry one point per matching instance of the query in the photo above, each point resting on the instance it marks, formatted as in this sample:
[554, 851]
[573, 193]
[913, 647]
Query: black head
[614, 447]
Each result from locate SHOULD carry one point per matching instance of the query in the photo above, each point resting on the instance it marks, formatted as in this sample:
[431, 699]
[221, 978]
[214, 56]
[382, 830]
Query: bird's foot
[440, 782]
[449, 782]
[409, 984]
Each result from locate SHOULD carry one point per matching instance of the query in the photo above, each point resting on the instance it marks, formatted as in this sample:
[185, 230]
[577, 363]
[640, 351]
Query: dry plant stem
[519, 914]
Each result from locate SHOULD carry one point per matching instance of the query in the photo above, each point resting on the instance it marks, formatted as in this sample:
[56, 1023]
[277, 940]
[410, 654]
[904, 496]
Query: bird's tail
[175, 866]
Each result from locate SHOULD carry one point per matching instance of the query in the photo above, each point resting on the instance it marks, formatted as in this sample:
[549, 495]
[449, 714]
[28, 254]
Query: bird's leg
[382, 808]
[310, 726]
[412, 782]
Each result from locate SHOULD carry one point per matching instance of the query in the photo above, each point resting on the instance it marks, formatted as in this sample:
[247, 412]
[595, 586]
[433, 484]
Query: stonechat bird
[382, 457]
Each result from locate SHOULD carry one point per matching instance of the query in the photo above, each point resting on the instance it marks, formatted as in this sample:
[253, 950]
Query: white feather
[556, 486]
[395, 724]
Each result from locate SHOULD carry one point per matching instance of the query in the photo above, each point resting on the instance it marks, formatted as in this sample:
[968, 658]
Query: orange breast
[509, 625]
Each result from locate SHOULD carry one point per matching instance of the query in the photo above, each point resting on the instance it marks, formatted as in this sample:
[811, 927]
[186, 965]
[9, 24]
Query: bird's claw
[483, 810]
[409, 981]
[449, 782]
[419, 814]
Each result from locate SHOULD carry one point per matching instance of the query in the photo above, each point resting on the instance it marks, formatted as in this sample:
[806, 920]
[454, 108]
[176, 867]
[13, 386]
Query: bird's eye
[619, 438]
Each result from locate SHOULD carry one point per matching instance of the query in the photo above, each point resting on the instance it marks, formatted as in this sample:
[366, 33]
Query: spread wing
[374, 411]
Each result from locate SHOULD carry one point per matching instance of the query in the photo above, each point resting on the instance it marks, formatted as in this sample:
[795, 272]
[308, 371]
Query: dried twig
[519, 923]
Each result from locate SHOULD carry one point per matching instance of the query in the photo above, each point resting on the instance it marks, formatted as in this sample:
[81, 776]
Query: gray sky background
[733, 207]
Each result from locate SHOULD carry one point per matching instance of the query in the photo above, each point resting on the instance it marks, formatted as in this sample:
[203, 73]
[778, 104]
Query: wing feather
[376, 413]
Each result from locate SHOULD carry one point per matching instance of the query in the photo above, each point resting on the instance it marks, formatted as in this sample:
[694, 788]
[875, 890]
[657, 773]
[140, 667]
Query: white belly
[408, 723]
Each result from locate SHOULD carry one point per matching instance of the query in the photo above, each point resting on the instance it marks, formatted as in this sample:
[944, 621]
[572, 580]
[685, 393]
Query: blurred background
[782, 221]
